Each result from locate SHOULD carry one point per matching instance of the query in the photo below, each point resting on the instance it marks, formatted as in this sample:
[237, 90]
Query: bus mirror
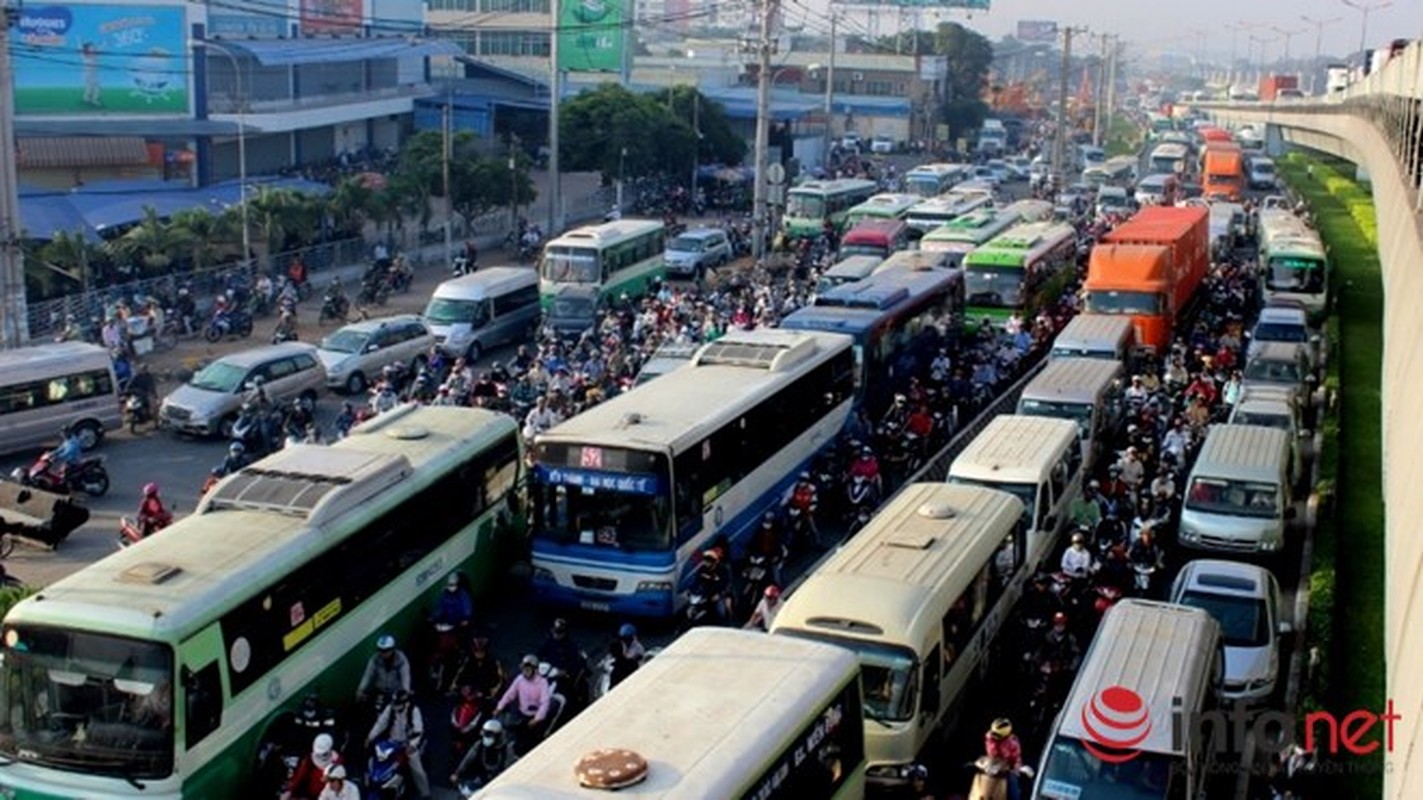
[930, 706]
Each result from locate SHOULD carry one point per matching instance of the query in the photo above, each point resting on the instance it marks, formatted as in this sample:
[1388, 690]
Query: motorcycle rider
[309, 778]
[152, 516]
[1145, 555]
[918, 776]
[454, 611]
[768, 543]
[483, 671]
[710, 581]
[384, 398]
[627, 652]
[401, 721]
[490, 755]
[531, 697]
[1003, 747]
[286, 328]
[561, 652]
[805, 499]
[1060, 651]
[67, 454]
[896, 416]
[387, 671]
[1077, 559]
[235, 459]
[866, 466]
[765, 614]
[337, 787]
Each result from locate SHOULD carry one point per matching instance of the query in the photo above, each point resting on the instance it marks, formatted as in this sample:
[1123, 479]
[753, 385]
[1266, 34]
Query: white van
[492, 307]
[1036, 459]
[1262, 173]
[1239, 496]
[1084, 390]
[1146, 658]
[48, 386]
[919, 595]
[848, 270]
[1105, 336]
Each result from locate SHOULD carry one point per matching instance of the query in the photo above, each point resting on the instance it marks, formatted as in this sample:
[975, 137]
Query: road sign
[775, 174]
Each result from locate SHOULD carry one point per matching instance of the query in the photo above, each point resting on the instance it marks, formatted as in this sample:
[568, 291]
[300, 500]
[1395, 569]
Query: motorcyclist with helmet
[804, 501]
[562, 653]
[152, 516]
[337, 787]
[387, 671]
[764, 616]
[711, 581]
[309, 778]
[401, 721]
[768, 544]
[1001, 746]
[490, 756]
[67, 454]
[451, 618]
[867, 467]
[530, 698]
[1060, 651]
[1145, 554]
[1077, 560]
[627, 652]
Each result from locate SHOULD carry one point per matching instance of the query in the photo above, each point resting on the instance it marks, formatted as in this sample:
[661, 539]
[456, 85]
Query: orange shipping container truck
[1223, 171]
[1151, 268]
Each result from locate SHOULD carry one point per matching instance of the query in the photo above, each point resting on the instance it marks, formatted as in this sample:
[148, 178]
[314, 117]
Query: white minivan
[1036, 459]
[488, 308]
[1084, 390]
[1104, 336]
[1239, 496]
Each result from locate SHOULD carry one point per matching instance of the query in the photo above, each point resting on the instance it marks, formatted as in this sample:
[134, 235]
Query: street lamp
[1364, 9]
[1288, 35]
[1318, 44]
[241, 147]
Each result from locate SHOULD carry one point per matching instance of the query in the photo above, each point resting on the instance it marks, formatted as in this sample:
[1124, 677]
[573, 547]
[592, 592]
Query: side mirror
[371, 348]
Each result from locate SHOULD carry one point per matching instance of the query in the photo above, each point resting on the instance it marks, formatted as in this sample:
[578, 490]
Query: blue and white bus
[932, 180]
[627, 493]
[892, 315]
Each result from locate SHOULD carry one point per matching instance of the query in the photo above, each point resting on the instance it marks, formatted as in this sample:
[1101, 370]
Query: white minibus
[1107, 336]
[48, 386]
[1036, 459]
[919, 595]
[1084, 390]
[1240, 493]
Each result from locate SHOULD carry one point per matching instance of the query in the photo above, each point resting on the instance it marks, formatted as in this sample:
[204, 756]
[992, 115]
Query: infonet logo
[1117, 720]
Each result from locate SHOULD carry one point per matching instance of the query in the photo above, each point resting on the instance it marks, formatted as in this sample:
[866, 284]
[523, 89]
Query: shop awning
[287, 52]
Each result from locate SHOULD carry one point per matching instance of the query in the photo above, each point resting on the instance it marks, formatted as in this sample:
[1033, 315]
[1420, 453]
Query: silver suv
[691, 254]
[208, 403]
[358, 352]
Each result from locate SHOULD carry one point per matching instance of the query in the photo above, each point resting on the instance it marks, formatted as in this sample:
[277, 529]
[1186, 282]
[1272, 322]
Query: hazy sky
[1169, 24]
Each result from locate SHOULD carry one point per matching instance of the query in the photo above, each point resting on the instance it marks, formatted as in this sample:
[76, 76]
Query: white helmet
[322, 745]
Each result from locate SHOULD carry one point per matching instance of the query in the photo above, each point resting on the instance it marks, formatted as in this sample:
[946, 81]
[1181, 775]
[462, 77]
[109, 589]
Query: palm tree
[350, 205]
[271, 211]
[152, 242]
[201, 229]
[71, 251]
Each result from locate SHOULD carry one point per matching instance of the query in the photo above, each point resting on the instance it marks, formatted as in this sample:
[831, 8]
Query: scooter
[136, 412]
[385, 772]
[334, 305]
[235, 322]
[131, 533]
[990, 780]
[87, 475]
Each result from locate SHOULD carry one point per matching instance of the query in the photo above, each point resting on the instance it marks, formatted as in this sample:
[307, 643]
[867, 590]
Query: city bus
[932, 180]
[810, 204]
[891, 314]
[882, 206]
[967, 233]
[919, 595]
[1020, 271]
[748, 716]
[935, 212]
[619, 257]
[628, 493]
[1170, 158]
[1293, 260]
[161, 670]
[1117, 171]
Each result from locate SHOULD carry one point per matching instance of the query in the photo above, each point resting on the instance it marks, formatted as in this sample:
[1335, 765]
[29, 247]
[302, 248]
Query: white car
[881, 144]
[986, 175]
[355, 355]
[1245, 600]
[1001, 171]
[851, 141]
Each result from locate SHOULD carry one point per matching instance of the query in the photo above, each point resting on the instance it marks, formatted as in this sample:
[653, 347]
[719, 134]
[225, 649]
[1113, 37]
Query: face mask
[488, 741]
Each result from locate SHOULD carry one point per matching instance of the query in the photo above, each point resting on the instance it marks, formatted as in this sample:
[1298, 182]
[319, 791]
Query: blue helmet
[627, 631]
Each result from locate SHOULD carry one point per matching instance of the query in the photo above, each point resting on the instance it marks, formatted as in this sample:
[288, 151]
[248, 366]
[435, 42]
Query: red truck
[1150, 268]
[1272, 85]
[1223, 171]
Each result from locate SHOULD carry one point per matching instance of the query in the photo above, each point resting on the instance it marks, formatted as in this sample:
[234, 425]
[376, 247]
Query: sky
[1173, 25]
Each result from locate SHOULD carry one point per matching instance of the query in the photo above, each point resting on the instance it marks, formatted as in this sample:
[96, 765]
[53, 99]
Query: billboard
[332, 16]
[78, 59]
[1037, 31]
[592, 35]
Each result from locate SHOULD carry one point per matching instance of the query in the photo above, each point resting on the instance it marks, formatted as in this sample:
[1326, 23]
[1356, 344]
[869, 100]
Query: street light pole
[241, 148]
[1288, 35]
[1318, 44]
[1364, 9]
[761, 213]
[14, 316]
[1059, 147]
[829, 92]
[446, 124]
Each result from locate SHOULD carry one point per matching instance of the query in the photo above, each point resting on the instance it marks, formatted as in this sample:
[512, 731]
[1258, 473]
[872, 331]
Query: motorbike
[461, 267]
[702, 610]
[334, 306]
[466, 717]
[800, 528]
[87, 475]
[283, 334]
[1143, 575]
[130, 532]
[860, 494]
[756, 574]
[230, 323]
[136, 412]
[446, 658]
[990, 780]
[374, 291]
[385, 772]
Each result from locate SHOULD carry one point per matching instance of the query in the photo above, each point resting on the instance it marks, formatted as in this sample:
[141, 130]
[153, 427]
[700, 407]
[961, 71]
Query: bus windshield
[629, 521]
[1144, 303]
[923, 185]
[1295, 275]
[1081, 413]
[1026, 492]
[888, 673]
[1236, 498]
[1072, 772]
[86, 702]
[809, 206]
[995, 288]
[571, 265]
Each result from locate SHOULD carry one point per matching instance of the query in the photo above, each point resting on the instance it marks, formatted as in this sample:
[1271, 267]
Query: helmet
[1059, 618]
[1078, 538]
[560, 626]
[711, 556]
[385, 642]
[401, 698]
[1001, 728]
[236, 449]
[310, 706]
[773, 592]
[804, 475]
[452, 583]
[493, 728]
[150, 489]
[335, 772]
[627, 631]
[530, 661]
[917, 772]
[322, 744]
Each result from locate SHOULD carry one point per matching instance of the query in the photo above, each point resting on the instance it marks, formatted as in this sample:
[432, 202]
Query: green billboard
[592, 35]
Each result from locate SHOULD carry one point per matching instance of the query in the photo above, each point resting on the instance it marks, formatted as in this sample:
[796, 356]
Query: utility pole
[555, 180]
[445, 154]
[1112, 60]
[1059, 146]
[14, 317]
[1318, 45]
[764, 45]
[1099, 94]
[1288, 35]
[1365, 9]
[829, 92]
[696, 138]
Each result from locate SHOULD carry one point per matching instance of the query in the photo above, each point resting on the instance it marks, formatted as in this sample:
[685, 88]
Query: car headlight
[1269, 545]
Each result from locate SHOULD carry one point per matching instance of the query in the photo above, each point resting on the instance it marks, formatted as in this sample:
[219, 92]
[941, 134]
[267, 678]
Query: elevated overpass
[1378, 125]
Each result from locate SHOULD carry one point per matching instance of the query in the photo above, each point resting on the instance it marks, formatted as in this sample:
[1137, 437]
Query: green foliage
[478, 183]
[617, 132]
[969, 55]
[10, 595]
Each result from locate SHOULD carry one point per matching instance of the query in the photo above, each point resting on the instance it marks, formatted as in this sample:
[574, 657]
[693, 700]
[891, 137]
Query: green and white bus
[620, 257]
[882, 206]
[1021, 271]
[1294, 263]
[810, 204]
[718, 714]
[932, 180]
[936, 212]
[160, 671]
[968, 232]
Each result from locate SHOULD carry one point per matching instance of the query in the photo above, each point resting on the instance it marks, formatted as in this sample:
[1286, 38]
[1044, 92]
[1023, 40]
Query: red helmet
[773, 592]
[1059, 618]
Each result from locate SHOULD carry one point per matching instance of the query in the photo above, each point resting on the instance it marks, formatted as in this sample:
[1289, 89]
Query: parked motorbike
[231, 323]
[87, 475]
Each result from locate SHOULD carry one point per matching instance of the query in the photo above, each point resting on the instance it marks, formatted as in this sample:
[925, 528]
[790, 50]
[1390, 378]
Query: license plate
[589, 605]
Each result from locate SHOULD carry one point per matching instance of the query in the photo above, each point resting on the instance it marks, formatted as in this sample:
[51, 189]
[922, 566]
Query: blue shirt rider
[454, 608]
[69, 451]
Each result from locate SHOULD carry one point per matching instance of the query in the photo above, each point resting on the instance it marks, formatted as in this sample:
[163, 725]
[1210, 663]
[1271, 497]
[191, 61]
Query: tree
[719, 143]
[349, 205]
[150, 243]
[619, 133]
[969, 55]
[72, 252]
[481, 185]
[201, 230]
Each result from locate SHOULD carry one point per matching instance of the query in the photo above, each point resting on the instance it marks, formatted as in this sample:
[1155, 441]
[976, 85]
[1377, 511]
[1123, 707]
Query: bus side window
[203, 709]
[1059, 480]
